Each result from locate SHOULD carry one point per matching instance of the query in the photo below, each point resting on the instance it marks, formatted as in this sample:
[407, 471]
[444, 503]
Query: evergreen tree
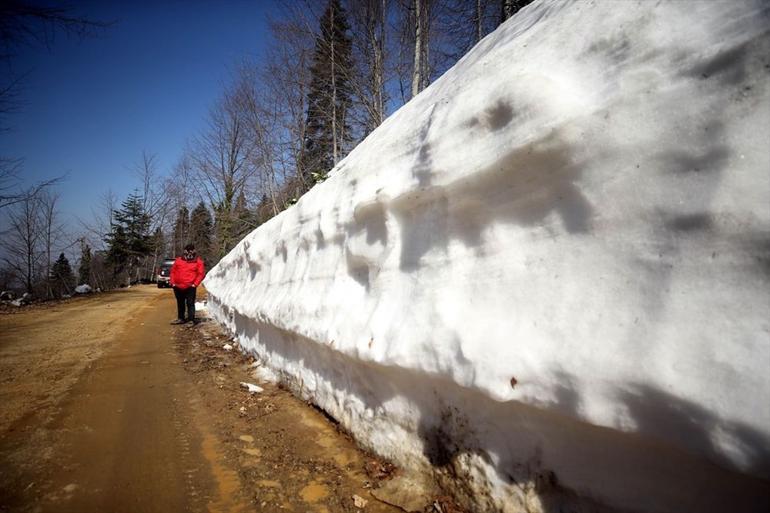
[328, 99]
[84, 270]
[223, 231]
[117, 247]
[62, 279]
[510, 7]
[201, 232]
[181, 231]
[129, 240]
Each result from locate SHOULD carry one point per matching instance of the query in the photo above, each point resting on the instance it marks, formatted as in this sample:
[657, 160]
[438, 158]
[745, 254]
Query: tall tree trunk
[378, 69]
[479, 18]
[48, 204]
[333, 63]
[418, 30]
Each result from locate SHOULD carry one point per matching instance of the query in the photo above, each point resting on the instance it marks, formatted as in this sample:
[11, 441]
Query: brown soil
[104, 406]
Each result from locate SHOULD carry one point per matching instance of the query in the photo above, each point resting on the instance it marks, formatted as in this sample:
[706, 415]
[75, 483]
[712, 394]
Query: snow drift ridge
[555, 261]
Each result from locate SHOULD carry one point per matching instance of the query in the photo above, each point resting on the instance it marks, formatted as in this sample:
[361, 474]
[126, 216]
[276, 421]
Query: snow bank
[547, 278]
[83, 289]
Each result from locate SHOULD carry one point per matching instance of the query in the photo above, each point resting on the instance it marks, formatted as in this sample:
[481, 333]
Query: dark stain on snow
[617, 48]
[499, 115]
[449, 437]
[729, 66]
[710, 161]
[690, 223]
[494, 118]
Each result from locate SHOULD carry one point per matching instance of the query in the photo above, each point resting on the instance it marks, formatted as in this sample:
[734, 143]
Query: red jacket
[187, 273]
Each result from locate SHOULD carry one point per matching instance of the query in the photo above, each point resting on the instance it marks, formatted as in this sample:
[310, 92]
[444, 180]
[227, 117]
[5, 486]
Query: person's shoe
[196, 321]
[178, 321]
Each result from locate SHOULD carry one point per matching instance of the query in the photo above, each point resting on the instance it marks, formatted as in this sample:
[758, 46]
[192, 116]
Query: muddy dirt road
[105, 407]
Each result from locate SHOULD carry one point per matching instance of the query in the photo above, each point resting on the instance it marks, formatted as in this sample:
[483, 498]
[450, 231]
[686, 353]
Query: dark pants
[185, 296]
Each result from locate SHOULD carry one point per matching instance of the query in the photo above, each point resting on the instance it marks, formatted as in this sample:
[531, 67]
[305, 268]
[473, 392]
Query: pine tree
[181, 231]
[117, 247]
[510, 7]
[129, 240]
[327, 130]
[201, 232]
[136, 224]
[84, 270]
[62, 279]
[224, 230]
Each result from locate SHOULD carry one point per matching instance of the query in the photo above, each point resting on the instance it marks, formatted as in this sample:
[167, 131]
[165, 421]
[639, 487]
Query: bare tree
[420, 71]
[21, 242]
[260, 114]
[94, 229]
[52, 233]
[155, 204]
[9, 181]
[368, 81]
[286, 81]
[222, 165]
[415, 35]
[24, 24]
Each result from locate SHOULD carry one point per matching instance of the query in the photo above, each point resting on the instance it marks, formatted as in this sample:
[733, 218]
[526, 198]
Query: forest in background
[333, 73]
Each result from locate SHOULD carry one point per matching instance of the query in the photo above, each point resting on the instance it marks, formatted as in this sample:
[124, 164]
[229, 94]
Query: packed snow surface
[551, 266]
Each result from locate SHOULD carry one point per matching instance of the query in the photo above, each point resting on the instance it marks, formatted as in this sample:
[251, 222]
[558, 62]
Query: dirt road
[105, 407]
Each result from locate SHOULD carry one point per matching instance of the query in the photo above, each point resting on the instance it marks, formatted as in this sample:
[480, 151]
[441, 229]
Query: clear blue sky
[91, 107]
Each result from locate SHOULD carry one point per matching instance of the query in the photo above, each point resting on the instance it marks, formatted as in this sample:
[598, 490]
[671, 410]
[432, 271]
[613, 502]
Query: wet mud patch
[288, 455]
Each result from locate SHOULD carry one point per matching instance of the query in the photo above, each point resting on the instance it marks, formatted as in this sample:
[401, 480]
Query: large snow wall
[546, 279]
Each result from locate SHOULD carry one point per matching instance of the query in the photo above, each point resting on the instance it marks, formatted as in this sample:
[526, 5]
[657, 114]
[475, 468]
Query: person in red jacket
[186, 274]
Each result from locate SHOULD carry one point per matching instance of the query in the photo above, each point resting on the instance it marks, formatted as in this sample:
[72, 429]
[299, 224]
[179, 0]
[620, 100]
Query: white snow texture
[547, 277]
